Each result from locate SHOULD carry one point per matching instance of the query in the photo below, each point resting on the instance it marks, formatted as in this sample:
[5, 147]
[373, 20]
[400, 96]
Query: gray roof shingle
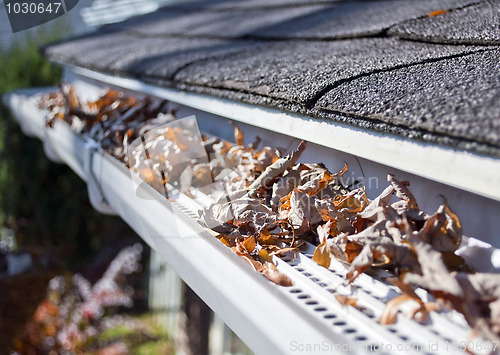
[348, 19]
[161, 57]
[321, 20]
[347, 61]
[299, 71]
[475, 24]
[451, 97]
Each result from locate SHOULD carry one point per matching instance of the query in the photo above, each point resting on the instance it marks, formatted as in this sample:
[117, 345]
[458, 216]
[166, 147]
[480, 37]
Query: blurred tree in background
[43, 203]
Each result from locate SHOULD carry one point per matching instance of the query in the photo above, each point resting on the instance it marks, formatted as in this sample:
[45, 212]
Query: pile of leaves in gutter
[113, 120]
[268, 204]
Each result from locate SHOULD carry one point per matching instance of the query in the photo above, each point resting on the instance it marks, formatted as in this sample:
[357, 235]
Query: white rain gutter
[254, 308]
[270, 319]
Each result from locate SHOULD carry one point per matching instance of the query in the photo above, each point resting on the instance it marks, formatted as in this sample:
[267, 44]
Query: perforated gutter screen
[270, 319]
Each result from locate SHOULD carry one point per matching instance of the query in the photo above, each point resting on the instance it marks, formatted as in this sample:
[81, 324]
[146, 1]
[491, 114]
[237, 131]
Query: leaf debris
[269, 205]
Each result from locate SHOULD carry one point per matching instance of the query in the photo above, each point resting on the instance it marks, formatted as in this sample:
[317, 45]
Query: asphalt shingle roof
[299, 71]
[457, 91]
[383, 65]
[125, 53]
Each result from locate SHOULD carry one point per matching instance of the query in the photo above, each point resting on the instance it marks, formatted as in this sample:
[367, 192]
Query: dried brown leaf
[402, 192]
[326, 209]
[442, 230]
[437, 13]
[266, 238]
[421, 313]
[284, 250]
[284, 186]
[353, 202]
[390, 313]
[224, 241]
[453, 225]
[405, 288]
[347, 301]
[322, 180]
[249, 244]
[362, 262]
[238, 135]
[322, 255]
[434, 274]
[267, 178]
[264, 256]
[452, 260]
[272, 273]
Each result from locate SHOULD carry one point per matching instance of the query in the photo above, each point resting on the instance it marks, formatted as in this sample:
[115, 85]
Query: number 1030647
[34, 8]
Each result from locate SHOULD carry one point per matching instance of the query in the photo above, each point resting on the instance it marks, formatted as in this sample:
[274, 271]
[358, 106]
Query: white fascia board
[457, 168]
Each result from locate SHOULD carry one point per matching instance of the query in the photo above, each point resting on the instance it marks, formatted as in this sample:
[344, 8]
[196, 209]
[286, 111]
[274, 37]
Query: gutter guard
[222, 279]
[302, 319]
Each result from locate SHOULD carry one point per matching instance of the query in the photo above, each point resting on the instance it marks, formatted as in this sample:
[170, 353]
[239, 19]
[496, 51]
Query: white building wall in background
[111, 11]
[165, 300]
